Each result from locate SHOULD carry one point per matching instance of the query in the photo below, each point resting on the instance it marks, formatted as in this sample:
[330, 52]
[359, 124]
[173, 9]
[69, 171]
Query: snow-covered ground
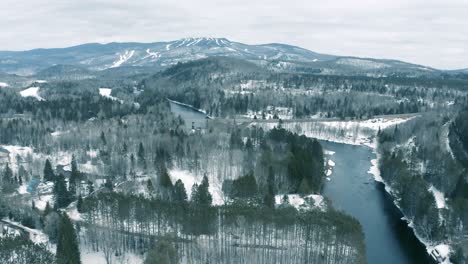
[284, 113]
[106, 92]
[352, 132]
[41, 201]
[58, 133]
[32, 92]
[123, 58]
[3, 84]
[189, 179]
[14, 153]
[302, 202]
[89, 256]
[35, 236]
[439, 197]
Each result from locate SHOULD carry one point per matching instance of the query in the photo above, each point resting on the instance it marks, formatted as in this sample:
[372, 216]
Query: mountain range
[85, 59]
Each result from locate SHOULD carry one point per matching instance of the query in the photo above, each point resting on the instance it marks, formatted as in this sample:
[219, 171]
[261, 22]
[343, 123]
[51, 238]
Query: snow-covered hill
[277, 57]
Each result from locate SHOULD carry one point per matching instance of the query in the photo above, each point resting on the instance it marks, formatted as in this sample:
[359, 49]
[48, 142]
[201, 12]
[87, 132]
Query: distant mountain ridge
[276, 57]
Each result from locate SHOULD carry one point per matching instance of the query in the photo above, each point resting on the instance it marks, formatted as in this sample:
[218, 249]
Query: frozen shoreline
[374, 170]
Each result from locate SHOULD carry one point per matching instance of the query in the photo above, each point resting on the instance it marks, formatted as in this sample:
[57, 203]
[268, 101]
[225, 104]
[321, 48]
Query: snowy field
[300, 202]
[106, 92]
[32, 92]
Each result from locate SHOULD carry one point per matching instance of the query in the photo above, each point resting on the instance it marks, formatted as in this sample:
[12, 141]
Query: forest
[123, 176]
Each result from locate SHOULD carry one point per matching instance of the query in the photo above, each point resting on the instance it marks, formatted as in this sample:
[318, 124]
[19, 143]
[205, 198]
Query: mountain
[61, 72]
[159, 55]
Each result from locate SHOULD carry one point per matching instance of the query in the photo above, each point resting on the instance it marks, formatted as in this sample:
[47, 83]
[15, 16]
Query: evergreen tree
[103, 138]
[7, 174]
[48, 171]
[74, 177]
[62, 195]
[141, 156]
[200, 194]
[164, 178]
[79, 204]
[149, 186]
[179, 192]
[163, 253]
[244, 187]
[269, 198]
[8, 180]
[304, 187]
[67, 243]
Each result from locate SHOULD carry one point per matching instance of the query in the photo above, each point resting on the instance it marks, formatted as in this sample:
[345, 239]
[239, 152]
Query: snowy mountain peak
[200, 41]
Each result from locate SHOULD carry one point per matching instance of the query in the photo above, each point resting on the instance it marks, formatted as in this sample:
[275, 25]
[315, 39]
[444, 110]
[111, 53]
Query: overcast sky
[428, 32]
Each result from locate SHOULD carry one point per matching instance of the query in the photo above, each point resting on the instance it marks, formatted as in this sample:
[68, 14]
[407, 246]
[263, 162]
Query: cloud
[430, 32]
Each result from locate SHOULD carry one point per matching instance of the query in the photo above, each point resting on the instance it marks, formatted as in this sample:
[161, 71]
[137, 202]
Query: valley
[223, 152]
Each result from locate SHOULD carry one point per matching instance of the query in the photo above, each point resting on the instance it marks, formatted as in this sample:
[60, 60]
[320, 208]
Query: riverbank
[439, 252]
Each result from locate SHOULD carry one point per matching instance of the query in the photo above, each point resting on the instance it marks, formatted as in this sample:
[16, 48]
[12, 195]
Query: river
[353, 190]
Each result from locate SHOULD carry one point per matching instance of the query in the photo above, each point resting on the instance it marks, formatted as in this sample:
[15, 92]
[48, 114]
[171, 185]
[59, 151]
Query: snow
[123, 58]
[14, 152]
[352, 132]
[106, 92]
[36, 236]
[302, 202]
[3, 84]
[88, 167]
[375, 171]
[439, 197]
[58, 133]
[328, 152]
[154, 55]
[93, 153]
[441, 252]
[32, 92]
[42, 201]
[331, 163]
[189, 179]
[23, 189]
[40, 81]
[88, 256]
[74, 214]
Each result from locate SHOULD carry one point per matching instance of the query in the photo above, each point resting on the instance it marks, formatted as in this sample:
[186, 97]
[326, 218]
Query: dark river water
[352, 190]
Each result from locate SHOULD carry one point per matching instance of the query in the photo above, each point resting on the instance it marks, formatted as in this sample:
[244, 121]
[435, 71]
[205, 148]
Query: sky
[428, 32]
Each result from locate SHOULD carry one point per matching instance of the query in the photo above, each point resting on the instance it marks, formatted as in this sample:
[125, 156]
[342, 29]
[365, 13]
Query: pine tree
[62, 195]
[163, 253]
[304, 187]
[103, 138]
[141, 156]
[48, 171]
[74, 177]
[179, 192]
[79, 204]
[149, 186]
[269, 199]
[164, 178]
[7, 174]
[200, 194]
[67, 243]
